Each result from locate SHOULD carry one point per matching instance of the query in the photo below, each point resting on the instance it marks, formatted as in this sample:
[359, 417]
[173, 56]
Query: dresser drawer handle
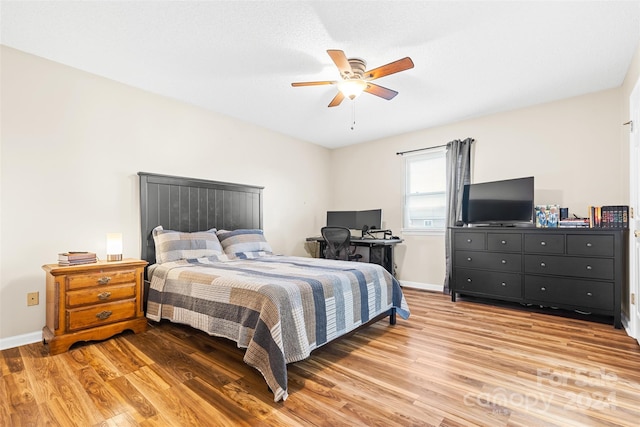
[589, 245]
[468, 279]
[504, 261]
[103, 314]
[503, 284]
[504, 242]
[103, 296]
[542, 264]
[469, 240]
[104, 280]
[543, 243]
[589, 267]
[469, 259]
[543, 289]
[589, 294]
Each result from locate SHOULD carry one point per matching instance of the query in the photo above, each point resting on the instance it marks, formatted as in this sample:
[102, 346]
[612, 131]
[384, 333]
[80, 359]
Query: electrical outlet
[33, 298]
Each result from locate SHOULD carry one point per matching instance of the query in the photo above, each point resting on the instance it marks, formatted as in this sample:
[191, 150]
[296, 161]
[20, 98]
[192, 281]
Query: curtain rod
[400, 153]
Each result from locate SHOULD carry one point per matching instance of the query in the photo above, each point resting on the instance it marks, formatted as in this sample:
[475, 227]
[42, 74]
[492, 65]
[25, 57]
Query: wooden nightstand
[93, 302]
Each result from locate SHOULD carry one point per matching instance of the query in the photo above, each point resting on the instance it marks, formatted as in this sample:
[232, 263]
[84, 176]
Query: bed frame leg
[392, 316]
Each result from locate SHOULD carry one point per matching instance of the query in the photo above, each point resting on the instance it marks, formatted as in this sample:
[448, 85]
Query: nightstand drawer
[108, 277]
[487, 283]
[591, 268]
[572, 292]
[489, 260]
[98, 295]
[544, 243]
[100, 314]
[590, 245]
[469, 241]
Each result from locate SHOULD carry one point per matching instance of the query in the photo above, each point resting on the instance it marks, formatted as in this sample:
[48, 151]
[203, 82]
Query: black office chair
[338, 243]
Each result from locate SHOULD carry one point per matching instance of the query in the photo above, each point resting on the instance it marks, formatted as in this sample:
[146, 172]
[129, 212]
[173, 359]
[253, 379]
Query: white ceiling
[239, 57]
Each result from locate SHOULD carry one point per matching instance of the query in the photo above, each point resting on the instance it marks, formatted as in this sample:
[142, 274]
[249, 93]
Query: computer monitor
[369, 220]
[342, 219]
[355, 220]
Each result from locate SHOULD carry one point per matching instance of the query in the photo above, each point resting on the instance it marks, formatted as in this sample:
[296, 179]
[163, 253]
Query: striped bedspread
[278, 308]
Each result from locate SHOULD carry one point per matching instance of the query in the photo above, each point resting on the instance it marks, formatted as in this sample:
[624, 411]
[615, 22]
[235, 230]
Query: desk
[380, 250]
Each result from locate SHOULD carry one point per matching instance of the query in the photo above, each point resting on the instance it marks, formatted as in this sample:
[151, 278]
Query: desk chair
[338, 240]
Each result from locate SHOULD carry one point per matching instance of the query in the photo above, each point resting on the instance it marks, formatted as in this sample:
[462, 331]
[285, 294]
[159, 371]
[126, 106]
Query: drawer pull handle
[504, 261]
[468, 240]
[103, 296]
[469, 279]
[103, 314]
[543, 243]
[543, 289]
[504, 242]
[542, 264]
[503, 284]
[469, 259]
[104, 280]
[589, 245]
[589, 267]
[589, 294]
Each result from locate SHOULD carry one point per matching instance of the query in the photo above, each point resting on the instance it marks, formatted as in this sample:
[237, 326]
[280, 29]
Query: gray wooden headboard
[191, 204]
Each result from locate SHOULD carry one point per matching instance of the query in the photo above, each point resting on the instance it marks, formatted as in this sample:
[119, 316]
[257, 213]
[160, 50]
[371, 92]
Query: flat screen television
[505, 203]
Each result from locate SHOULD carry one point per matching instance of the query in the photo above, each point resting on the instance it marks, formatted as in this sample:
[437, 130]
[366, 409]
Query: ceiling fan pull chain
[353, 113]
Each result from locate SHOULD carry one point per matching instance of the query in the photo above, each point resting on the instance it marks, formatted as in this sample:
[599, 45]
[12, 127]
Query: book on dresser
[76, 258]
[611, 216]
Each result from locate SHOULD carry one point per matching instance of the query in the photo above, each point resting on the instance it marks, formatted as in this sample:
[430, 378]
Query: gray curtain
[458, 160]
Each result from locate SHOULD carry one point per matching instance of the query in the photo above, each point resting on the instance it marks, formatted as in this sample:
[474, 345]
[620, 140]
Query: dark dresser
[583, 270]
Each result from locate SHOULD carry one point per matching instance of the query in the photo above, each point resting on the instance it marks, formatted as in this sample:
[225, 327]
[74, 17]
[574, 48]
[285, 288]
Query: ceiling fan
[356, 80]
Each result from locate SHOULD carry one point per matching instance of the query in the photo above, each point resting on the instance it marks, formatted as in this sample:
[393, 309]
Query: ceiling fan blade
[313, 83]
[390, 68]
[380, 91]
[336, 99]
[341, 61]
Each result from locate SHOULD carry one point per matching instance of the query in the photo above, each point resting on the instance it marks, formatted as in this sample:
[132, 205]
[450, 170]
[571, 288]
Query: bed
[212, 268]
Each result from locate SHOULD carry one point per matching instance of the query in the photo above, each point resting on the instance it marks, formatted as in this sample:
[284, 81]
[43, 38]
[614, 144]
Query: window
[425, 188]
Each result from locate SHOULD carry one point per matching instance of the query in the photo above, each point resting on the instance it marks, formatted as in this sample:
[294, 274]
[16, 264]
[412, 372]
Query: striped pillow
[174, 245]
[244, 243]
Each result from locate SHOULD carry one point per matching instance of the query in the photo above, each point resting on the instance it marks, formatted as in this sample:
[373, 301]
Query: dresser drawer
[573, 292]
[469, 241]
[544, 243]
[109, 277]
[590, 245]
[100, 314]
[591, 268]
[504, 242]
[489, 260]
[488, 283]
[100, 294]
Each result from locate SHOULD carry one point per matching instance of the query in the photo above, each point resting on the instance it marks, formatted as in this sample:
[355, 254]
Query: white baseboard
[18, 340]
[422, 286]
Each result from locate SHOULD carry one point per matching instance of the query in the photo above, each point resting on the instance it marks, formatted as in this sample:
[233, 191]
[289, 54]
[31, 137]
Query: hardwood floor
[450, 364]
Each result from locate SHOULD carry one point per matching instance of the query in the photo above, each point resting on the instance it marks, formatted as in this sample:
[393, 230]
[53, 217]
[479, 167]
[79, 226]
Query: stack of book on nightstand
[76, 258]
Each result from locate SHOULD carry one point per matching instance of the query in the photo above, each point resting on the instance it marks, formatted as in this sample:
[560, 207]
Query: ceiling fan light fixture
[352, 88]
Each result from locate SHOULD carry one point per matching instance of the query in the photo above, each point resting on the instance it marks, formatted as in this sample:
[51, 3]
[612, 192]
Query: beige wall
[72, 144]
[576, 148]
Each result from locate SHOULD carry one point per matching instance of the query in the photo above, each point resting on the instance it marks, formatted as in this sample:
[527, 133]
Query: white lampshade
[114, 246]
[352, 88]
